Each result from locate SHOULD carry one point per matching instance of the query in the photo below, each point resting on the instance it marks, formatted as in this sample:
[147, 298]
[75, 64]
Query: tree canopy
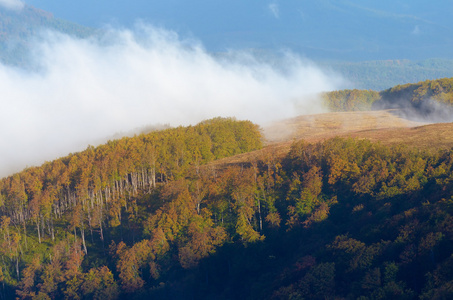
[151, 216]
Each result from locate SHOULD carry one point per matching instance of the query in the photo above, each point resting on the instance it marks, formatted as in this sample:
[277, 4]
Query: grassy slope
[382, 126]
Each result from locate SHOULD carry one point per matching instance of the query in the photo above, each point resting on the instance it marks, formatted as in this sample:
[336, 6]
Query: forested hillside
[430, 100]
[350, 100]
[210, 212]
[151, 217]
[77, 206]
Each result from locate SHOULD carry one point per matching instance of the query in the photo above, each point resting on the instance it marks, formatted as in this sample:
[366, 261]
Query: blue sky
[321, 29]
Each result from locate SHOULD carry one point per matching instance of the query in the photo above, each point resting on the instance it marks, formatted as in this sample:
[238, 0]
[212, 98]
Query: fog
[81, 91]
[427, 110]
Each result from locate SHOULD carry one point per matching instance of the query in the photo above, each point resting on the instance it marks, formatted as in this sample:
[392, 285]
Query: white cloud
[91, 89]
[12, 4]
[274, 9]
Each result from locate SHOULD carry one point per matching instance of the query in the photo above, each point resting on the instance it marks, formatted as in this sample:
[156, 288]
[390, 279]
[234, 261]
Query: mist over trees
[428, 101]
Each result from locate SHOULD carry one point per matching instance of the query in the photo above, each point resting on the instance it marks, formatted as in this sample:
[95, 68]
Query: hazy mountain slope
[370, 75]
[383, 74]
[17, 27]
[30, 20]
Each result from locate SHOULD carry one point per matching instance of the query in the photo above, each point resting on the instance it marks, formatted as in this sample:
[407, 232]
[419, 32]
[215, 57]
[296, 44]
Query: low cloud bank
[83, 90]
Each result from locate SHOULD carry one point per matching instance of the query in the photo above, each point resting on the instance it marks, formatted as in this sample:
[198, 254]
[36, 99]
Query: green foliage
[441, 90]
[350, 100]
[319, 282]
[420, 97]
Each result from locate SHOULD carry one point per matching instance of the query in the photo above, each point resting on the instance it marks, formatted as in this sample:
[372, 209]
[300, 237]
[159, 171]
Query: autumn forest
[213, 211]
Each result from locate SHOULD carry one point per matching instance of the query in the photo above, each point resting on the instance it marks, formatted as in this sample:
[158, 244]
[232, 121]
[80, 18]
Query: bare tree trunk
[259, 214]
[52, 230]
[25, 236]
[83, 240]
[17, 266]
[39, 232]
[43, 227]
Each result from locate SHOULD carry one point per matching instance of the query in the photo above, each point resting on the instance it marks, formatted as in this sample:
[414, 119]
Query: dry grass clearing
[428, 137]
[375, 126]
[327, 125]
